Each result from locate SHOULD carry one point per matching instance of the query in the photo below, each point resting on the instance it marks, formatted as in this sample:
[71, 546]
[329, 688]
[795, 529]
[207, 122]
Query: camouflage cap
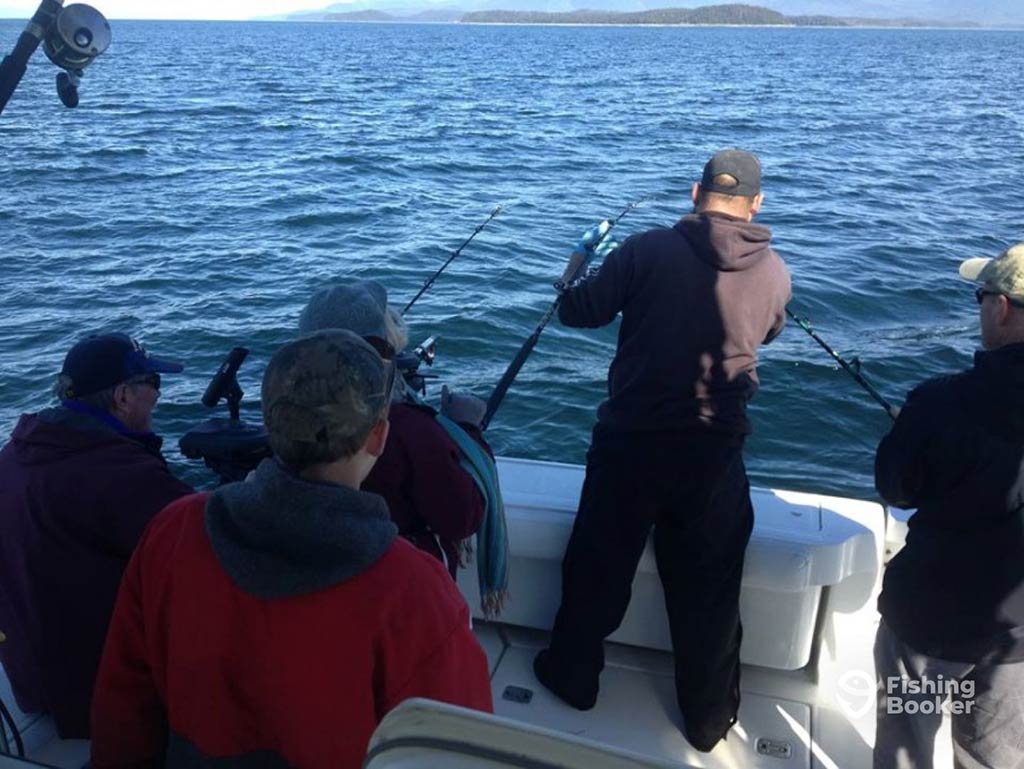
[1004, 274]
[321, 396]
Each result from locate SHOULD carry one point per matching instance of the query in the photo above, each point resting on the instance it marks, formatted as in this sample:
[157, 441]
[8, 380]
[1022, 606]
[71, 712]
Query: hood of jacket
[727, 243]
[54, 434]
[278, 535]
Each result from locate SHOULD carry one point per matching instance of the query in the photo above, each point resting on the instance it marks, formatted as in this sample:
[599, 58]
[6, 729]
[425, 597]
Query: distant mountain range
[892, 13]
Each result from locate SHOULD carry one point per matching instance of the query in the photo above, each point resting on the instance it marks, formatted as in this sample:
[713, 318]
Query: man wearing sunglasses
[952, 601]
[78, 484]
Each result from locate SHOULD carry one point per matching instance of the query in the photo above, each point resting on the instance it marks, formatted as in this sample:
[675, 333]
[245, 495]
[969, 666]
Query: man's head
[114, 372]
[359, 306]
[325, 399]
[731, 184]
[1000, 296]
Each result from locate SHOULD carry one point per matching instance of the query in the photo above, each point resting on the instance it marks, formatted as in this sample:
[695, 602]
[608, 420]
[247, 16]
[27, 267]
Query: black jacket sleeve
[785, 293]
[905, 457]
[598, 298]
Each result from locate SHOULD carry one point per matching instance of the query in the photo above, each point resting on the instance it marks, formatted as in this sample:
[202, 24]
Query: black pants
[693, 489]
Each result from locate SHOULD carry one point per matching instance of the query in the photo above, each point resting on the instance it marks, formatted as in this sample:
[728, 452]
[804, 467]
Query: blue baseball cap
[104, 360]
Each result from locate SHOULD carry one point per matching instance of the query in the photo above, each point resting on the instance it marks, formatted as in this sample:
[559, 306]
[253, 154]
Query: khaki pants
[985, 703]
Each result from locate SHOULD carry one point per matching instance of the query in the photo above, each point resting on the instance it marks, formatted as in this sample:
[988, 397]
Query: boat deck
[636, 708]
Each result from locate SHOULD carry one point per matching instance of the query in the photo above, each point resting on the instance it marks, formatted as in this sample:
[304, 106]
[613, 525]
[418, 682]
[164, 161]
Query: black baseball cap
[104, 360]
[742, 166]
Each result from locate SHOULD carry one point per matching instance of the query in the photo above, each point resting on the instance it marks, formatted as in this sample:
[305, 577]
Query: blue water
[217, 172]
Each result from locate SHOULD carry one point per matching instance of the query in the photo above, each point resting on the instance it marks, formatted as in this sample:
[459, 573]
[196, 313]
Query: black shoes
[705, 736]
[542, 668]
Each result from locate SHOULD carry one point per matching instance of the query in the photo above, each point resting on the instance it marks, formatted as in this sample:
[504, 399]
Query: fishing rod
[524, 352]
[852, 367]
[430, 281]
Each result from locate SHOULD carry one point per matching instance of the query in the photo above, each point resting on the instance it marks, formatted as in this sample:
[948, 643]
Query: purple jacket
[75, 495]
[430, 496]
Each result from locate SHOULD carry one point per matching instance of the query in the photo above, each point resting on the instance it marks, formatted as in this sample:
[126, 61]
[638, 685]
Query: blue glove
[606, 247]
[592, 240]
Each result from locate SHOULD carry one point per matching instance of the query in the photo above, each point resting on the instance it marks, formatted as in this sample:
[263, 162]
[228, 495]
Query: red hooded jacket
[276, 621]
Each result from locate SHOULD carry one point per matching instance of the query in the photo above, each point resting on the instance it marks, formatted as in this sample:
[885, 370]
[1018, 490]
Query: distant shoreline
[727, 15]
[684, 25]
[974, 28]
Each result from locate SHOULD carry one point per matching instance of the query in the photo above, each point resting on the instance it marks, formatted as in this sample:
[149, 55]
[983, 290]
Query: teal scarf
[492, 538]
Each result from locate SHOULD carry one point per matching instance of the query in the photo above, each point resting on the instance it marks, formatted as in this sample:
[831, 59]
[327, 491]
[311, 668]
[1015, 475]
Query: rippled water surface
[217, 172]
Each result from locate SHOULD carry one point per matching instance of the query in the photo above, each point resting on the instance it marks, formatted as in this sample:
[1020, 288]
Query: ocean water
[216, 173]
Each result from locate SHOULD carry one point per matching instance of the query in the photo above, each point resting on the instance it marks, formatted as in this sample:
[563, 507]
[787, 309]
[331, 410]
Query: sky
[177, 9]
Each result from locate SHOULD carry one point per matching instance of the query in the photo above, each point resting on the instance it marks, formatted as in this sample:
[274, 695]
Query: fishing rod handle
[502, 388]
[524, 352]
[15, 64]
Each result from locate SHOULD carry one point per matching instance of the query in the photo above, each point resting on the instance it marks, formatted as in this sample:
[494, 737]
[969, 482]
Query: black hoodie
[696, 300]
[956, 453]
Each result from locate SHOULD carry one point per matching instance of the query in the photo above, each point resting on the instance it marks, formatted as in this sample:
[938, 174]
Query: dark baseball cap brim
[104, 360]
[155, 365]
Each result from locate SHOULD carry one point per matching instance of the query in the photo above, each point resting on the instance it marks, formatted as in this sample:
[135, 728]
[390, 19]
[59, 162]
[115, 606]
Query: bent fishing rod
[430, 281]
[524, 352]
[851, 367]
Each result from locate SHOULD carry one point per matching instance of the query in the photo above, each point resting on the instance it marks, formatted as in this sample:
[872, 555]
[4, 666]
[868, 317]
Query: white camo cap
[1004, 274]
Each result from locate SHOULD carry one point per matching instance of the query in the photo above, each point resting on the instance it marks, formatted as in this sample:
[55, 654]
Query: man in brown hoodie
[697, 300]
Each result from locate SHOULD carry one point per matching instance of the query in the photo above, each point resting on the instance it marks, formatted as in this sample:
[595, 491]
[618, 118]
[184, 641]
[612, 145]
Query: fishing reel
[409, 364]
[72, 38]
[78, 35]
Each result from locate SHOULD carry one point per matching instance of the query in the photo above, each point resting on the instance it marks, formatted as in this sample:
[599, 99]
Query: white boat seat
[424, 734]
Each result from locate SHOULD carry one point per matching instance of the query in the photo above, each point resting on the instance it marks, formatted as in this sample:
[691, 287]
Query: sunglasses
[981, 292]
[153, 380]
[383, 347]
